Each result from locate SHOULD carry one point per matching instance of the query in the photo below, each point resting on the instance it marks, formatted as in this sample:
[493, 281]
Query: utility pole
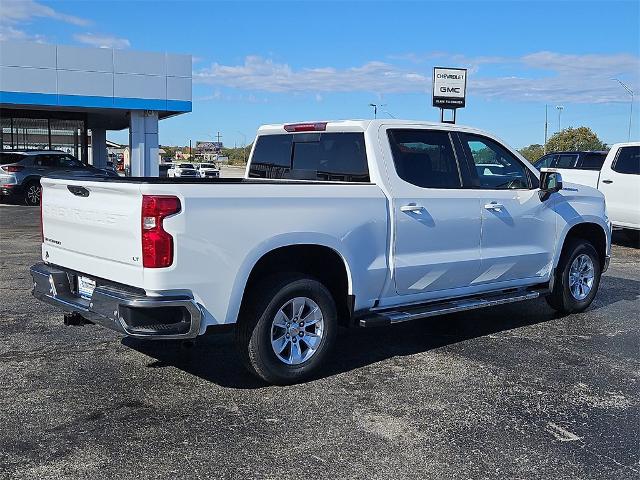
[218, 137]
[546, 128]
[630, 92]
[559, 108]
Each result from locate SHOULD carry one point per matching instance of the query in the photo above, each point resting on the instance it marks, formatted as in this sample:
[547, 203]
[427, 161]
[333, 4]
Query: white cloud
[7, 32]
[258, 73]
[541, 76]
[102, 41]
[15, 11]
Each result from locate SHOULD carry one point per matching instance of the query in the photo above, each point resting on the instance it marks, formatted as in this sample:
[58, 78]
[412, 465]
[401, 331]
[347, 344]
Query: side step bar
[389, 317]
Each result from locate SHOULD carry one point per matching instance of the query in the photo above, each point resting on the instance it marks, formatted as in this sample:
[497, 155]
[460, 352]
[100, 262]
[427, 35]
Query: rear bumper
[127, 312]
[8, 190]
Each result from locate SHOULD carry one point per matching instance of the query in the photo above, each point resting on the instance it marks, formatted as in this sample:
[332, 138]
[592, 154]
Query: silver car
[21, 170]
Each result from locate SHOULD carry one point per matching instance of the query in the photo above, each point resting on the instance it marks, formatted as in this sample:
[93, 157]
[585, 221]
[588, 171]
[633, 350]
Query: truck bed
[223, 228]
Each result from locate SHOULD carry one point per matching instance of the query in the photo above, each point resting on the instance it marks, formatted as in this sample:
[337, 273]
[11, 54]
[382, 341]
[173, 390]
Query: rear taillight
[12, 168]
[157, 245]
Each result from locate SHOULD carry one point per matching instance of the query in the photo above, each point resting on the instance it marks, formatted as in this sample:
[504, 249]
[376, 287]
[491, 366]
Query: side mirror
[550, 182]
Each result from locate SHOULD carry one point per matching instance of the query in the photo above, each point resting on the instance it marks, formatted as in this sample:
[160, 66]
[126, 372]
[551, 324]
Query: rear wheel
[577, 277]
[287, 328]
[32, 193]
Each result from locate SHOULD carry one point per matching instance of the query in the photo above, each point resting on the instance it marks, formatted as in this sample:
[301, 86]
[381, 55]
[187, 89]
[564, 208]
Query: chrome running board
[415, 312]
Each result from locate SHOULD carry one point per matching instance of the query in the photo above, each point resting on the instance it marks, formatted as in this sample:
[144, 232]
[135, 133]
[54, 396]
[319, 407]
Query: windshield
[207, 165]
[186, 165]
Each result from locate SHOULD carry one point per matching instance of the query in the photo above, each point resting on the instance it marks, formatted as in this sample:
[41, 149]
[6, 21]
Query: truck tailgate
[93, 227]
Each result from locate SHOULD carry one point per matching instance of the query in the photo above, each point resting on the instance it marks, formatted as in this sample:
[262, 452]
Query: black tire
[561, 299]
[32, 193]
[254, 329]
[633, 235]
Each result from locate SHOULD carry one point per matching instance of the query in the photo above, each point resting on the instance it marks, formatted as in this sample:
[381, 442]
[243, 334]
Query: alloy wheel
[581, 276]
[297, 330]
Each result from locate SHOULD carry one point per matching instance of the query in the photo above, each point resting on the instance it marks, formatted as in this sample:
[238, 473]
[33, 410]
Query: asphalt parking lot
[510, 392]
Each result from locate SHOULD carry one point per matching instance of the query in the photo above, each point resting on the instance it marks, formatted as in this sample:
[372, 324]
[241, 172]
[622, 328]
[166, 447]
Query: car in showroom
[21, 171]
[362, 223]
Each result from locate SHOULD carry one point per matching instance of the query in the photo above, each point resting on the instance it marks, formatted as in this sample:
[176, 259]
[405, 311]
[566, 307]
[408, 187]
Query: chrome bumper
[130, 313]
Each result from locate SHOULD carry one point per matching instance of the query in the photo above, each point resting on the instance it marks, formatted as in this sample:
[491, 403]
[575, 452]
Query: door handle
[412, 207]
[607, 181]
[494, 206]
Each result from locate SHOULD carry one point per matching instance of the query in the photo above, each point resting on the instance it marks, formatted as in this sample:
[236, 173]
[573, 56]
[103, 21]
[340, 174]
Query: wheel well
[30, 179]
[594, 234]
[322, 263]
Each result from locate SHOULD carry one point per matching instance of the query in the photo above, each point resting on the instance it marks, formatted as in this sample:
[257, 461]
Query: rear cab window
[318, 156]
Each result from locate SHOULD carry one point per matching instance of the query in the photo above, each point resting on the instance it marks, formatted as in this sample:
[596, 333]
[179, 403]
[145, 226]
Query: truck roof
[362, 125]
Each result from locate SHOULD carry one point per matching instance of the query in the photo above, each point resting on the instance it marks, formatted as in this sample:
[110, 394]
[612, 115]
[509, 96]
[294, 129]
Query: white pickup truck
[353, 223]
[617, 177]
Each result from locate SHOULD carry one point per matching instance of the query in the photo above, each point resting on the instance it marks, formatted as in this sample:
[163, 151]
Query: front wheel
[286, 328]
[577, 278]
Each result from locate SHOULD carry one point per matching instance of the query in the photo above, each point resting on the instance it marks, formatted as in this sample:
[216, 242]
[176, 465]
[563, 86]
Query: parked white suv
[363, 223]
[179, 170]
[208, 170]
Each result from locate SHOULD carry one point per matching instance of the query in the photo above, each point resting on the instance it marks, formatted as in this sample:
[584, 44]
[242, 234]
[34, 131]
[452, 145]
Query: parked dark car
[580, 160]
[21, 170]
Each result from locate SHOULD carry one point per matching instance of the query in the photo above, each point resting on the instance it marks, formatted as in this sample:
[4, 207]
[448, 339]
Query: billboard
[449, 87]
[208, 147]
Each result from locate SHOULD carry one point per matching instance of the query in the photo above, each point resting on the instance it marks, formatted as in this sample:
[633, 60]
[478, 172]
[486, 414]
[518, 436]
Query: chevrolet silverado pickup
[347, 223]
[616, 175]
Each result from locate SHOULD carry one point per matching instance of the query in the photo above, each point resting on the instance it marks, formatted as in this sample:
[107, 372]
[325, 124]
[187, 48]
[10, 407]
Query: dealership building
[66, 98]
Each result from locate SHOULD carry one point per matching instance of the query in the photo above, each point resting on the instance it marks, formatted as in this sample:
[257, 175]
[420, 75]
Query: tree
[532, 152]
[581, 138]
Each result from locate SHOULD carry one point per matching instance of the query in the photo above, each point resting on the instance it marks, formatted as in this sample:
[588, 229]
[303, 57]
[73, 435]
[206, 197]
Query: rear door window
[628, 161]
[424, 158]
[311, 156]
[565, 161]
[591, 161]
[7, 158]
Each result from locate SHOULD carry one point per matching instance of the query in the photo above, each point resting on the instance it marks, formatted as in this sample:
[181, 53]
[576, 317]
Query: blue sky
[270, 62]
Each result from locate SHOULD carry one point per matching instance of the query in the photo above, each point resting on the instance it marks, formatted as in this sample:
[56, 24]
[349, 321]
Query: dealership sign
[449, 87]
[208, 147]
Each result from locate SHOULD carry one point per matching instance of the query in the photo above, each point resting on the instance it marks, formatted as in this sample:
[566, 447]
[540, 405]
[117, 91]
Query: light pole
[375, 108]
[630, 92]
[559, 108]
[546, 124]
[244, 146]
